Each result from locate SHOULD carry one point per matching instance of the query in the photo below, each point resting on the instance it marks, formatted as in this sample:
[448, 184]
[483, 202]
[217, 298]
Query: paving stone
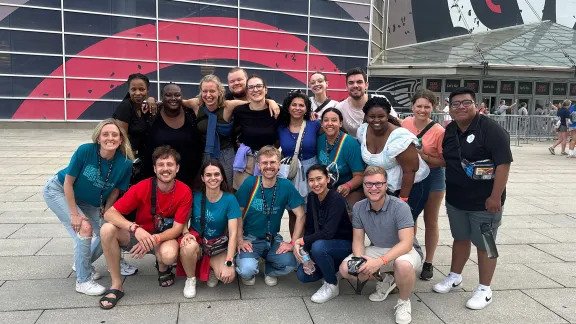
[558, 220]
[522, 222]
[521, 236]
[15, 196]
[158, 314]
[35, 267]
[20, 317]
[561, 272]
[36, 197]
[32, 189]
[23, 206]
[564, 235]
[506, 277]
[520, 254]
[358, 309]
[28, 217]
[560, 301]
[263, 311]
[4, 189]
[16, 247]
[564, 251]
[510, 306]
[59, 246]
[145, 290]
[443, 256]
[45, 294]
[41, 230]
[525, 209]
[8, 229]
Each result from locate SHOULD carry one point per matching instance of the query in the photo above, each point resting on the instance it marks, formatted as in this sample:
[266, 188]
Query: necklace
[160, 211]
[330, 147]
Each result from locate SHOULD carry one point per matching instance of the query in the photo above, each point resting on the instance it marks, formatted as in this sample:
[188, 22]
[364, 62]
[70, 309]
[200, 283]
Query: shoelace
[477, 293]
[403, 307]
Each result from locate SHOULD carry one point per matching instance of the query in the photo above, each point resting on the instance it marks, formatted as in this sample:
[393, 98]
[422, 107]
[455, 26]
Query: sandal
[165, 276]
[112, 300]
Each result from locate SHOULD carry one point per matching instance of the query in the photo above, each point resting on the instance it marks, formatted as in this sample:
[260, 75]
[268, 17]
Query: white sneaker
[450, 282]
[212, 280]
[325, 293]
[480, 299]
[95, 275]
[126, 269]
[190, 288]
[383, 288]
[270, 281]
[90, 287]
[248, 282]
[403, 311]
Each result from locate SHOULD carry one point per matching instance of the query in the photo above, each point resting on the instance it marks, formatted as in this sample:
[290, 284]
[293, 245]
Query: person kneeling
[388, 222]
[327, 238]
[162, 205]
[215, 212]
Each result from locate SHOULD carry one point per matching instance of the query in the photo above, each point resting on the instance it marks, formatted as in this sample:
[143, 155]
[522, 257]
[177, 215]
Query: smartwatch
[229, 263]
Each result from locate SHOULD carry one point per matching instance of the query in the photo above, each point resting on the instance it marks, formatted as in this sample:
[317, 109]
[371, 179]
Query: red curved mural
[173, 52]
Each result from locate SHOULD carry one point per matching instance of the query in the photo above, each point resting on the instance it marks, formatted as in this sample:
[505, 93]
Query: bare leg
[405, 277]
[431, 222]
[166, 254]
[460, 254]
[189, 255]
[486, 267]
[564, 140]
[217, 263]
[112, 238]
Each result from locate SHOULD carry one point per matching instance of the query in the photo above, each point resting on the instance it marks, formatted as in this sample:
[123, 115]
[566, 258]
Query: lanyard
[105, 181]
[268, 212]
[329, 147]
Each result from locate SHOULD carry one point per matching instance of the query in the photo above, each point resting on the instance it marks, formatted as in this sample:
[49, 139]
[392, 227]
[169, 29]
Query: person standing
[478, 157]
[564, 114]
[320, 100]
[572, 131]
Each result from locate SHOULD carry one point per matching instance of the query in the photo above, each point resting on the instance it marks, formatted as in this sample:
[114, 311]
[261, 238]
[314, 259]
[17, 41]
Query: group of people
[218, 172]
[565, 128]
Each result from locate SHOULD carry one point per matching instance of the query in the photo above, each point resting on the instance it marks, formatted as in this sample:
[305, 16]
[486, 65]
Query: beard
[239, 95]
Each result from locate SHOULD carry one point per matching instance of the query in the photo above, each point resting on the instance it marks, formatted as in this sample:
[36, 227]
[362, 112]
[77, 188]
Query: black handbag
[214, 246]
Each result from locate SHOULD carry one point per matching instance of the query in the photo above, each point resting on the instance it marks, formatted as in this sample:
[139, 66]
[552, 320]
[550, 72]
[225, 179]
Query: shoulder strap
[299, 141]
[328, 100]
[339, 149]
[315, 208]
[153, 197]
[202, 214]
[426, 129]
[251, 198]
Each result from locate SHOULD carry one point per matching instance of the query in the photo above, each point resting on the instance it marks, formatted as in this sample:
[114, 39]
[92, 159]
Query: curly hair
[284, 117]
[380, 102]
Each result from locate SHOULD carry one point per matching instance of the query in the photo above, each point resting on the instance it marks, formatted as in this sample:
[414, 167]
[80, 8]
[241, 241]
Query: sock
[455, 275]
[482, 287]
[570, 152]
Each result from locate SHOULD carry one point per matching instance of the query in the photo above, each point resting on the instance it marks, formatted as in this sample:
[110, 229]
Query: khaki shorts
[375, 252]
[239, 177]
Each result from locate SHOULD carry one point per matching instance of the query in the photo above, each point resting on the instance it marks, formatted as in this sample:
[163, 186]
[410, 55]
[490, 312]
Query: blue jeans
[418, 196]
[86, 249]
[327, 254]
[276, 264]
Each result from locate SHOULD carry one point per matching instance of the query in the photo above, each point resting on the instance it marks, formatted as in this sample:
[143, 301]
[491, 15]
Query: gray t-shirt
[353, 117]
[382, 227]
[502, 109]
[523, 111]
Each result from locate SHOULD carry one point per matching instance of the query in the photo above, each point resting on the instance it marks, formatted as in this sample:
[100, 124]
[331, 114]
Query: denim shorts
[437, 179]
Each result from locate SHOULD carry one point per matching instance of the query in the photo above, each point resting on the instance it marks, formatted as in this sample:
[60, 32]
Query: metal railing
[522, 129]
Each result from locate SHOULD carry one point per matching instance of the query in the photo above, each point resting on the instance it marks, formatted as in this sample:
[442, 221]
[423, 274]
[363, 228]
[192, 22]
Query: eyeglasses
[465, 103]
[259, 86]
[374, 184]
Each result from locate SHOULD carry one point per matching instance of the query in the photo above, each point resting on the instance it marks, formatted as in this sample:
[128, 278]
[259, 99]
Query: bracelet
[383, 258]
[348, 185]
[404, 199]
[156, 238]
[292, 243]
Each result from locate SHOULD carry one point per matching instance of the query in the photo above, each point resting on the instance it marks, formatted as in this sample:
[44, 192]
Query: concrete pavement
[535, 281]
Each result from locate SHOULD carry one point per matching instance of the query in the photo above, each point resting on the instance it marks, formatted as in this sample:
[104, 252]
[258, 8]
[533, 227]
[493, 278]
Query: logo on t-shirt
[323, 157]
[259, 206]
[91, 173]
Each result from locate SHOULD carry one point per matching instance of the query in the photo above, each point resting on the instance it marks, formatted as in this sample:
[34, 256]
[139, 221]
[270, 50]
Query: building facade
[69, 59]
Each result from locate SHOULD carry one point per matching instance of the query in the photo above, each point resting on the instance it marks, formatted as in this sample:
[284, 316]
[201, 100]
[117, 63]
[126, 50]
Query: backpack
[573, 117]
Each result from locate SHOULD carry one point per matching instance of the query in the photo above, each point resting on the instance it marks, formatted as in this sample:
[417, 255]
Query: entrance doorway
[490, 103]
[528, 106]
[508, 101]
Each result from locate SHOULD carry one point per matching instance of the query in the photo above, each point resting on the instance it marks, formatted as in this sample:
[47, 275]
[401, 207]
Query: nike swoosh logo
[488, 299]
[454, 285]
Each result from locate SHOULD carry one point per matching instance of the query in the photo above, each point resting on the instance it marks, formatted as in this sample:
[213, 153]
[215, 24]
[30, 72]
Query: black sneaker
[427, 271]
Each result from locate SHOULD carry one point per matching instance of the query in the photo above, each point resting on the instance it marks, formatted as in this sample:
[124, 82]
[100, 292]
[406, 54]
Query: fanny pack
[214, 246]
[479, 170]
[161, 224]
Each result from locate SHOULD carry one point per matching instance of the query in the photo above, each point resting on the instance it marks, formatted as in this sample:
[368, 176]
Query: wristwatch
[229, 263]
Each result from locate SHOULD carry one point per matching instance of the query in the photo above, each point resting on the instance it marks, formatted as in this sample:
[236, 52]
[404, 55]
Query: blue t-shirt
[217, 214]
[308, 146]
[89, 180]
[572, 109]
[349, 157]
[254, 221]
[564, 115]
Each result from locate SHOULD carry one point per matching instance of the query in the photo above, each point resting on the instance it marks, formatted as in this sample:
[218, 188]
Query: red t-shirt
[174, 204]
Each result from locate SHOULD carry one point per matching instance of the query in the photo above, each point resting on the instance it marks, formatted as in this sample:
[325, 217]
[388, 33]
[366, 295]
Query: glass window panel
[377, 36]
[11, 86]
[30, 64]
[279, 78]
[377, 19]
[146, 8]
[201, 34]
[271, 41]
[84, 89]
[342, 10]
[110, 47]
[277, 60]
[327, 27]
[324, 63]
[31, 42]
[32, 18]
[273, 21]
[182, 73]
[96, 110]
[108, 25]
[104, 69]
[51, 109]
[39, 3]
[340, 46]
[184, 52]
[292, 6]
[177, 10]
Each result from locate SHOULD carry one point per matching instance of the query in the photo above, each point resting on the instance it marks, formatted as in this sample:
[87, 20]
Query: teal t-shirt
[255, 222]
[349, 156]
[217, 214]
[89, 180]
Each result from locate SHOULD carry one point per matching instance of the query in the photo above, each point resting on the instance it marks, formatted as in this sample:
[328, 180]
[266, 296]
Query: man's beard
[357, 97]
[239, 95]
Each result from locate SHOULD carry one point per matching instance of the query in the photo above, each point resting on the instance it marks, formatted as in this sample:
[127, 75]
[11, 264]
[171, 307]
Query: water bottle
[308, 265]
